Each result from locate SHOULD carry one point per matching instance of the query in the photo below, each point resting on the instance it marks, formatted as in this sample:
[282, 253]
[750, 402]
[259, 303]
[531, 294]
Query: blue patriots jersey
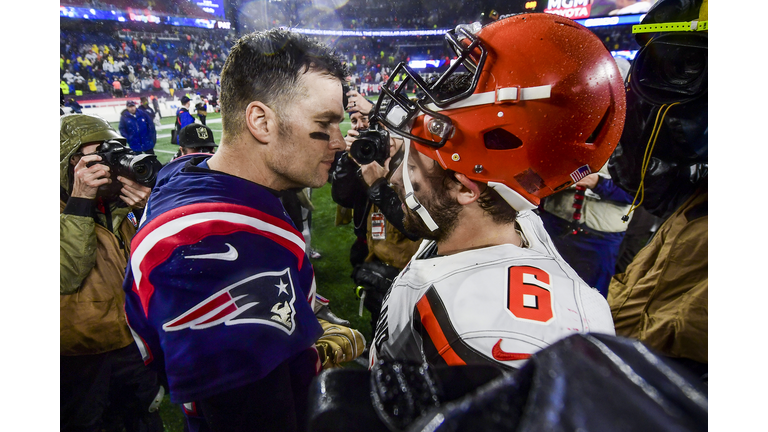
[219, 289]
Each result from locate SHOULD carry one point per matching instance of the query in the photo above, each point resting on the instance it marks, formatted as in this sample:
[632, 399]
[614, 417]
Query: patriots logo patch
[265, 298]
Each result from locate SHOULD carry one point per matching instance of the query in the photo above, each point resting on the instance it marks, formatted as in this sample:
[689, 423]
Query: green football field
[332, 271]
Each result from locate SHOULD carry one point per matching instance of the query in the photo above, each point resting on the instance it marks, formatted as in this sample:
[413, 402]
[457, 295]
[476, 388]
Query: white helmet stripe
[500, 95]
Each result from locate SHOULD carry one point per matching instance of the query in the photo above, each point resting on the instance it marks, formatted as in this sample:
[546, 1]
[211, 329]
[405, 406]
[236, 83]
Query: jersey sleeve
[222, 293]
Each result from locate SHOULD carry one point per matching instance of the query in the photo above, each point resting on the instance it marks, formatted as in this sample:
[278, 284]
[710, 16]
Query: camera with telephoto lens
[122, 161]
[371, 145]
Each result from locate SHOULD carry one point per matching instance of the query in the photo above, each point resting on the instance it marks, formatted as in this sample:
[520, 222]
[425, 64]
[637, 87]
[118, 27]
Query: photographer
[344, 167]
[357, 102]
[383, 246]
[100, 363]
[661, 298]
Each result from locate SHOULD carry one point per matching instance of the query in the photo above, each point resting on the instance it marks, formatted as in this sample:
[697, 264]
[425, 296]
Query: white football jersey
[496, 304]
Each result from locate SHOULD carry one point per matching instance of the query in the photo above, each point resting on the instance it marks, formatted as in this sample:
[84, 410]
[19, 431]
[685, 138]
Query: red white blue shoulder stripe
[188, 224]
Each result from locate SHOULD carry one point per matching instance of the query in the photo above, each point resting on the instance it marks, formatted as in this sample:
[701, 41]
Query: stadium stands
[191, 58]
[156, 7]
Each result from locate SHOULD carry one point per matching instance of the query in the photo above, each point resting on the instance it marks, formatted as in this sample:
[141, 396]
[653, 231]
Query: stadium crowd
[106, 58]
[157, 7]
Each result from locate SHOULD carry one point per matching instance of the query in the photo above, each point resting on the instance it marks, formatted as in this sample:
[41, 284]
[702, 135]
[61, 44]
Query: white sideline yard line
[172, 125]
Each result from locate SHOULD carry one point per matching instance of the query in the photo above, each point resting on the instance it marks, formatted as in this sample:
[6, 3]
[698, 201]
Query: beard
[444, 211]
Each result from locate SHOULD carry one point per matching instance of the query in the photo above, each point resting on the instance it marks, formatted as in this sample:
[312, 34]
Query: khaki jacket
[395, 250]
[598, 214]
[92, 260]
[662, 298]
[92, 268]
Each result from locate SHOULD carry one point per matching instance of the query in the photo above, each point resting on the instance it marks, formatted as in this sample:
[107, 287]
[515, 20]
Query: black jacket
[349, 190]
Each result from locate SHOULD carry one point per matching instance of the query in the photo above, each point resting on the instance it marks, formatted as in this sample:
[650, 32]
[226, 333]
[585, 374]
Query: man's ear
[469, 191]
[261, 121]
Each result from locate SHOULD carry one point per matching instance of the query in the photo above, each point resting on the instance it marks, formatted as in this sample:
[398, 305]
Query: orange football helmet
[543, 106]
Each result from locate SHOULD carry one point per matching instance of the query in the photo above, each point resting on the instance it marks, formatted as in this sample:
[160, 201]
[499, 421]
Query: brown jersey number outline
[529, 294]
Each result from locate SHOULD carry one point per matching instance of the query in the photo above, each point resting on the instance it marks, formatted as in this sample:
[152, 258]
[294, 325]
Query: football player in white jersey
[533, 104]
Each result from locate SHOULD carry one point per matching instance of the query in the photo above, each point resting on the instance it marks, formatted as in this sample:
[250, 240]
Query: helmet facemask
[396, 111]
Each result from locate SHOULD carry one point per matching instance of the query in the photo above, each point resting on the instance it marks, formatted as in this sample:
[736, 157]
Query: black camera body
[122, 161]
[371, 145]
[344, 98]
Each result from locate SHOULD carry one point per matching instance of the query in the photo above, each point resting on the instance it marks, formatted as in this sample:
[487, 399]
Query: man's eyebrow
[330, 115]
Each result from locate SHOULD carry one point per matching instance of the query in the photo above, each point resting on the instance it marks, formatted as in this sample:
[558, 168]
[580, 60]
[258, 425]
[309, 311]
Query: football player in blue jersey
[219, 288]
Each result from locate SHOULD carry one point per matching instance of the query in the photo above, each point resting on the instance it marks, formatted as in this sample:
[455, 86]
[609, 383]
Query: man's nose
[337, 142]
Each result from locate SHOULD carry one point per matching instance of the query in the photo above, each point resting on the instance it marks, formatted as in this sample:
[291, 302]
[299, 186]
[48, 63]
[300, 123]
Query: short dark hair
[455, 84]
[489, 200]
[266, 66]
[496, 206]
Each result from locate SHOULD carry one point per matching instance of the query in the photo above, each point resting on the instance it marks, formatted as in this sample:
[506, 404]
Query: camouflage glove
[338, 344]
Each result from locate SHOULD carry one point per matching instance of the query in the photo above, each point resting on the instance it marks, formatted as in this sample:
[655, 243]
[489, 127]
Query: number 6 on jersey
[529, 296]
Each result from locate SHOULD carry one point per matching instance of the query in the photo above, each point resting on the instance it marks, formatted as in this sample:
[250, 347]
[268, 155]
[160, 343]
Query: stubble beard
[444, 211]
[282, 164]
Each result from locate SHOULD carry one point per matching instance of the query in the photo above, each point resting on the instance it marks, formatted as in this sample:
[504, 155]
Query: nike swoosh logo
[501, 355]
[229, 255]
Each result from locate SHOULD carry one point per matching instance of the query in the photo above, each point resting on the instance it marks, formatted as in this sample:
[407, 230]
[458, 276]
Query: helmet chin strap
[410, 198]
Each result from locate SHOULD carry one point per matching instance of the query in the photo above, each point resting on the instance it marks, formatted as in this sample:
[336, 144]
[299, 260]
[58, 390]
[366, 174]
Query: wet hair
[493, 204]
[266, 66]
[455, 84]
[490, 200]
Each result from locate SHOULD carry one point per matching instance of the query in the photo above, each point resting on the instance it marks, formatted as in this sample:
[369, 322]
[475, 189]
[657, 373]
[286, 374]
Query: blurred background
[168, 48]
